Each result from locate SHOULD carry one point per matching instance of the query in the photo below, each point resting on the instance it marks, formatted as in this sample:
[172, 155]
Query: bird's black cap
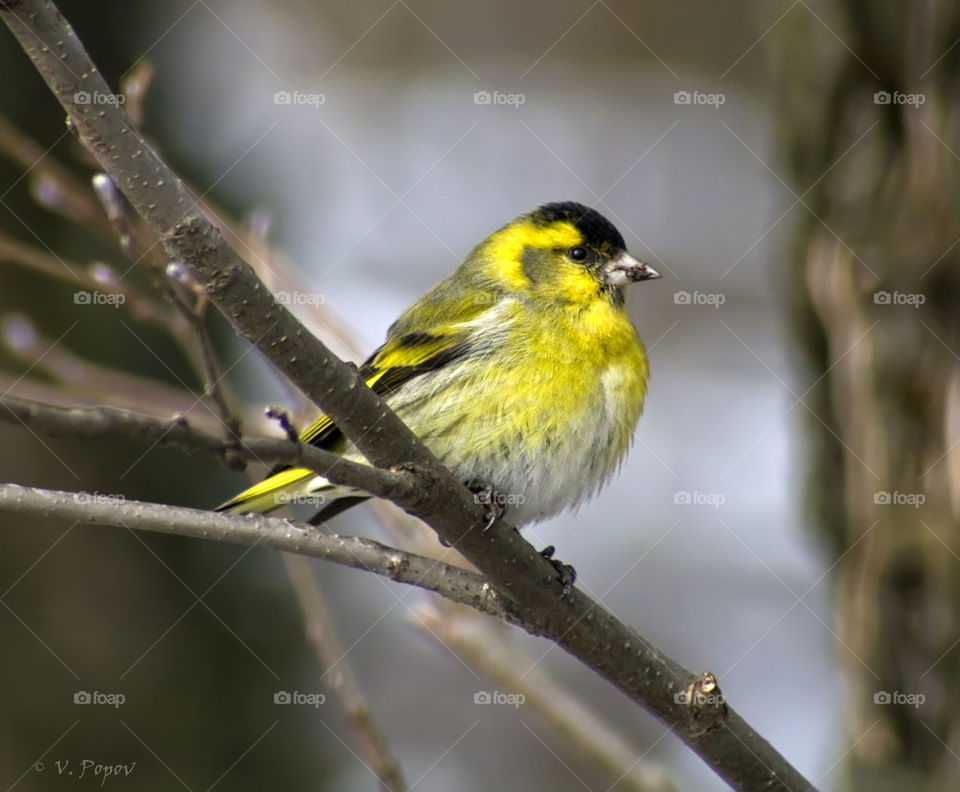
[597, 231]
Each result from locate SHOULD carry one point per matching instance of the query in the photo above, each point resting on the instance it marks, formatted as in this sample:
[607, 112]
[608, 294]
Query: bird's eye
[577, 253]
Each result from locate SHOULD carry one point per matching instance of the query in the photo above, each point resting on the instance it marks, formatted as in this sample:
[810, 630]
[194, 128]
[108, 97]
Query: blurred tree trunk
[881, 233]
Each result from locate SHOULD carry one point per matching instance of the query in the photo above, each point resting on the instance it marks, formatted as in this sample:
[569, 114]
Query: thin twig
[321, 632]
[53, 185]
[103, 422]
[184, 288]
[477, 644]
[188, 325]
[93, 278]
[135, 86]
[83, 380]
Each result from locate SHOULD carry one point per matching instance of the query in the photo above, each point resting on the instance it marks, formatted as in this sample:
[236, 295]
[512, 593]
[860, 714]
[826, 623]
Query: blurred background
[787, 518]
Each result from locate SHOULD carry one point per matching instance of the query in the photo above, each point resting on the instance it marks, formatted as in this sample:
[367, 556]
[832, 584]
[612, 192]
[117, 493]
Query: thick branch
[576, 622]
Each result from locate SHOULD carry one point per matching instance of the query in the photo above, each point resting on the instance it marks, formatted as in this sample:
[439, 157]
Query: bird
[521, 371]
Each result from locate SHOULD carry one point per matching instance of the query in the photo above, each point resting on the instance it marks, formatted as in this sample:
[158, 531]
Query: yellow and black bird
[520, 371]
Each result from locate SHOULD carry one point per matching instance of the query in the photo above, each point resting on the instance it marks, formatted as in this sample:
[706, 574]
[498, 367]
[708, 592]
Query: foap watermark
[299, 98]
[299, 298]
[98, 498]
[699, 98]
[896, 697]
[296, 697]
[114, 700]
[486, 297]
[98, 298]
[895, 498]
[899, 298]
[487, 497]
[499, 697]
[898, 98]
[298, 499]
[498, 98]
[698, 298]
[698, 698]
[98, 98]
[695, 498]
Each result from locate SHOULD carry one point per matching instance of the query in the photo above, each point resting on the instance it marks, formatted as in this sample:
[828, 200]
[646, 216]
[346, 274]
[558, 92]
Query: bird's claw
[493, 506]
[566, 574]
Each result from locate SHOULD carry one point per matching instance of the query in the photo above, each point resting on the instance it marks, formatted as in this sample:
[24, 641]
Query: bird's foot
[566, 574]
[494, 506]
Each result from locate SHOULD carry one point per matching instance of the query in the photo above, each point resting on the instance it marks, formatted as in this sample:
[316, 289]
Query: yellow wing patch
[406, 351]
[317, 428]
[398, 353]
[323, 424]
[393, 364]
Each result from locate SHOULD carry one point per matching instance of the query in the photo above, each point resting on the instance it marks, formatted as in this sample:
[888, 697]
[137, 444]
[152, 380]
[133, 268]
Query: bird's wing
[398, 361]
[402, 357]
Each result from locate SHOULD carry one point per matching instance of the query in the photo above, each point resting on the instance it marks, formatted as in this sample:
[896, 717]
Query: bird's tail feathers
[288, 487]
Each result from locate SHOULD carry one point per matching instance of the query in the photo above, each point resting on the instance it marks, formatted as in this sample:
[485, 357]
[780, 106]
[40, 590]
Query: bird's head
[565, 252]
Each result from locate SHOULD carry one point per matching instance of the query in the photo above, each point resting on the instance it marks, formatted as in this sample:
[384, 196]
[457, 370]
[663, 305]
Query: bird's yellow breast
[577, 361]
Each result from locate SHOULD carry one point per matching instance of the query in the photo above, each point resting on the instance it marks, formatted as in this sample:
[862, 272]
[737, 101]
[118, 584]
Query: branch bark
[95, 508]
[398, 486]
[514, 567]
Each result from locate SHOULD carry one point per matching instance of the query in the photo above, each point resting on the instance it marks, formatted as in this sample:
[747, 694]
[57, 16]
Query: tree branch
[476, 643]
[138, 428]
[94, 508]
[57, 375]
[575, 622]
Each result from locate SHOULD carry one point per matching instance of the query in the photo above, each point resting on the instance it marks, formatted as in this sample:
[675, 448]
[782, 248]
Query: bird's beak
[626, 269]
